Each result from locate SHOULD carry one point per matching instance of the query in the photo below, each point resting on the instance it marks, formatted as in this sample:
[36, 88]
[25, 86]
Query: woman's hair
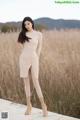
[22, 35]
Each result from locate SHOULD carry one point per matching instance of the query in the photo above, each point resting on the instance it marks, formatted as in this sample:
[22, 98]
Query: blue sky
[16, 10]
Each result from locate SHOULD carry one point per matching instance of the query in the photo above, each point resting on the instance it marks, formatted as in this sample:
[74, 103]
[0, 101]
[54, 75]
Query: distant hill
[16, 24]
[58, 23]
[50, 23]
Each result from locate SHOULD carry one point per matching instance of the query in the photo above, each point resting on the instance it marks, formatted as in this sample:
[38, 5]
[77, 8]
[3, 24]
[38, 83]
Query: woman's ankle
[29, 104]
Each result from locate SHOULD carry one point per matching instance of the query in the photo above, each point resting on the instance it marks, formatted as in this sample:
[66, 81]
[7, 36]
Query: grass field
[59, 74]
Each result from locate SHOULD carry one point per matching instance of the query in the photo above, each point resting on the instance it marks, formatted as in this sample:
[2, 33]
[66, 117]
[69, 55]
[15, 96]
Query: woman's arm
[39, 47]
[19, 45]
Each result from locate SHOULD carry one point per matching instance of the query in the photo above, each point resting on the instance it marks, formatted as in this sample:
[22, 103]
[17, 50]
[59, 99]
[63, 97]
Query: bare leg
[44, 106]
[27, 91]
[39, 93]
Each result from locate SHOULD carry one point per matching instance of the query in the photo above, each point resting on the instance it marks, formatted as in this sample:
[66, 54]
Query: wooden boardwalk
[14, 111]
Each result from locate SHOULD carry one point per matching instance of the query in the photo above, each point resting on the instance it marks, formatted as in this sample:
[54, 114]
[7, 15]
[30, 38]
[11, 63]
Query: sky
[16, 10]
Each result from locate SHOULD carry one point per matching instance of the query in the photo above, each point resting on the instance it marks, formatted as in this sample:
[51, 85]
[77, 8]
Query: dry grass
[59, 71]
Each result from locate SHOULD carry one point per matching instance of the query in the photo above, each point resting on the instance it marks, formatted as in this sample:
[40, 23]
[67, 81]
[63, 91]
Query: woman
[29, 59]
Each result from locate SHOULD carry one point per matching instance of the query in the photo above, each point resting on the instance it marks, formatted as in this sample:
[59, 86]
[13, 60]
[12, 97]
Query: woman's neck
[30, 30]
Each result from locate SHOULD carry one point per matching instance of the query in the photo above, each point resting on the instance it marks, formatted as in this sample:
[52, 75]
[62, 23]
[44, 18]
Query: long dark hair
[22, 35]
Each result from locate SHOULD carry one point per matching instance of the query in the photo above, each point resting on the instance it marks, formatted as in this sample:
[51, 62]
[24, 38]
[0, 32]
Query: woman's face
[28, 25]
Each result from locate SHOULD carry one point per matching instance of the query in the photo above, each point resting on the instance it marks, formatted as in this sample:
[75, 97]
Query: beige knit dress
[30, 53]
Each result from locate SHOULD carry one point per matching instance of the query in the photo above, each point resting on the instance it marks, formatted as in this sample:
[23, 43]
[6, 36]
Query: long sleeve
[39, 47]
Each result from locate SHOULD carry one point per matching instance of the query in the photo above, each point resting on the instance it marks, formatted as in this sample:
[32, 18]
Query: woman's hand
[19, 45]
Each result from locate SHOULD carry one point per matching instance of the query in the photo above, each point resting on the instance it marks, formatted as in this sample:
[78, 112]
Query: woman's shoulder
[38, 32]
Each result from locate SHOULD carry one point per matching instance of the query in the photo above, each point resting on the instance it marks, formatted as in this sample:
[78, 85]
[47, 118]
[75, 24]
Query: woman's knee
[36, 82]
[35, 78]
[26, 80]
